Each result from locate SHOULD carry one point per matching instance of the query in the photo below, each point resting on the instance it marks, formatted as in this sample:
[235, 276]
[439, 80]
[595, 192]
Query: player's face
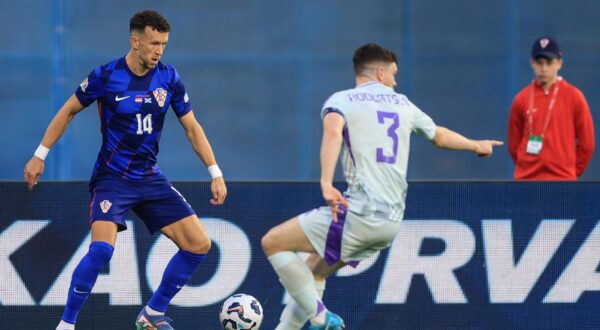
[387, 74]
[149, 46]
[545, 69]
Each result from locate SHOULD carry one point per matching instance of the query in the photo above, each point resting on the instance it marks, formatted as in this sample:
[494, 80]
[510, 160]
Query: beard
[147, 65]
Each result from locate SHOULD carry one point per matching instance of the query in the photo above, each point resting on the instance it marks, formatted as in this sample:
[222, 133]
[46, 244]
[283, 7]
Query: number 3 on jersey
[144, 125]
[391, 132]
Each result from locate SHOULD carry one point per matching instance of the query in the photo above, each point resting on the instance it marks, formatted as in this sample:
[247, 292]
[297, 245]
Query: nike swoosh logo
[77, 291]
[179, 286]
[117, 98]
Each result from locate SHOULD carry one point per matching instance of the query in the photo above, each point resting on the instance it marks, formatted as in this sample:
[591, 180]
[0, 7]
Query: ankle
[65, 326]
[319, 318]
[153, 312]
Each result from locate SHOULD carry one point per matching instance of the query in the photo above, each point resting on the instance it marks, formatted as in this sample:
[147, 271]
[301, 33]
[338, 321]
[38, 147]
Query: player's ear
[379, 73]
[135, 41]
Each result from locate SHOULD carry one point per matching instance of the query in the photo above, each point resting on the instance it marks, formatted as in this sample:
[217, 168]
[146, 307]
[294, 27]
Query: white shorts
[353, 238]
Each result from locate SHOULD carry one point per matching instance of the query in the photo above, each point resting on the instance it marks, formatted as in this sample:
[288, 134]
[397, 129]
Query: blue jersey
[132, 112]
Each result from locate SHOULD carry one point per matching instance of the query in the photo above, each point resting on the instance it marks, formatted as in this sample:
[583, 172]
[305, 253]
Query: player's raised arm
[197, 138]
[35, 167]
[448, 139]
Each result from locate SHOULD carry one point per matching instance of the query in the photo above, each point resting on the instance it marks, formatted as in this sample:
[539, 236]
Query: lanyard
[550, 106]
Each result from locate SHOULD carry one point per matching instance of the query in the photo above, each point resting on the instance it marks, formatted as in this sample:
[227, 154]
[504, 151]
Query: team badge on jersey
[105, 205]
[84, 84]
[160, 95]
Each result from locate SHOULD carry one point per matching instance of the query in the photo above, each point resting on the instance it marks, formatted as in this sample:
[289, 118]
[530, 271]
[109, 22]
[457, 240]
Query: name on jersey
[376, 98]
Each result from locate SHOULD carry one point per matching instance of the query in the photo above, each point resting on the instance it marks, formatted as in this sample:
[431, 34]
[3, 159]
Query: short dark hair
[150, 18]
[370, 53]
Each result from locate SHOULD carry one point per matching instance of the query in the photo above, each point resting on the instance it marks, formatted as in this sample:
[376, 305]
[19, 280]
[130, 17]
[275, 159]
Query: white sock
[298, 280]
[293, 317]
[65, 326]
[320, 287]
[153, 312]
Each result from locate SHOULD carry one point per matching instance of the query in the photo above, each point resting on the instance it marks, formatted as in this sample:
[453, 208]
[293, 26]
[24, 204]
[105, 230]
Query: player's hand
[334, 199]
[218, 190]
[485, 148]
[33, 171]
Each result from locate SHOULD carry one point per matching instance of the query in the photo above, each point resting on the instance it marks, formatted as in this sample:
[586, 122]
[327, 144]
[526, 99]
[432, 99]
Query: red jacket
[568, 142]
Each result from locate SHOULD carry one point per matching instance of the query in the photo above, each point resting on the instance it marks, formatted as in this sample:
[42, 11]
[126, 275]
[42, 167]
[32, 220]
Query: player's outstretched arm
[333, 124]
[35, 167]
[448, 139]
[197, 138]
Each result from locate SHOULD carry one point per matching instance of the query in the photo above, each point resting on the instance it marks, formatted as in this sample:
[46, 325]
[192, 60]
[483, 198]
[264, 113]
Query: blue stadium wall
[257, 73]
[469, 256]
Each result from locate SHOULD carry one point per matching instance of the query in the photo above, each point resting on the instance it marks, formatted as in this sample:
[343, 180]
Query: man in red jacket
[550, 130]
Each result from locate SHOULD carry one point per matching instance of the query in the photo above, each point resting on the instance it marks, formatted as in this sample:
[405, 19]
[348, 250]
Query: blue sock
[178, 272]
[84, 277]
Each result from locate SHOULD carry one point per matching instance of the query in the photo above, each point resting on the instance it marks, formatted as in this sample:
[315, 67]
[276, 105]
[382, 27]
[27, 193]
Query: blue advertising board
[496, 255]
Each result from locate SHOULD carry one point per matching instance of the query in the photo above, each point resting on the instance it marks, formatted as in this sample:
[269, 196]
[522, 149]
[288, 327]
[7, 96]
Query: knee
[100, 252]
[200, 246]
[269, 243]
[204, 245]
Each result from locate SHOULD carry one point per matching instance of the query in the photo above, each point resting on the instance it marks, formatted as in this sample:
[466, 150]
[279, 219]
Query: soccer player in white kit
[374, 124]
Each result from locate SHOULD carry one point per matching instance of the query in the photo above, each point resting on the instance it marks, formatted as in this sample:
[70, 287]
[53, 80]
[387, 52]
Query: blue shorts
[155, 201]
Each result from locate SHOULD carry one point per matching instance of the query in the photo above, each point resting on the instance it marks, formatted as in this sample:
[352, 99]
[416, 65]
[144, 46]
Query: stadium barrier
[496, 255]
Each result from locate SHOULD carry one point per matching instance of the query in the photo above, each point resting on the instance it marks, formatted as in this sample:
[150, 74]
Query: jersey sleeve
[333, 104]
[180, 102]
[91, 88]
[422, 124]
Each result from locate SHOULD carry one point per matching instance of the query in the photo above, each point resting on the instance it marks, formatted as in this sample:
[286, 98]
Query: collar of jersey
[368, 83]
[134, 75]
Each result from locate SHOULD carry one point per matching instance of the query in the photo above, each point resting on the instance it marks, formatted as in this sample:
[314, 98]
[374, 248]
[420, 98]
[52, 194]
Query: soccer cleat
[332, 322]
[150, 322]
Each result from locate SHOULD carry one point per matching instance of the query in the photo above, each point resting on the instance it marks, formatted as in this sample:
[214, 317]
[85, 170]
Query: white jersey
[379, 122]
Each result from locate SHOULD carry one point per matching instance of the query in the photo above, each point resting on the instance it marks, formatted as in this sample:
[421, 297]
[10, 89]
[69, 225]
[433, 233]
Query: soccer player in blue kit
[133, 95]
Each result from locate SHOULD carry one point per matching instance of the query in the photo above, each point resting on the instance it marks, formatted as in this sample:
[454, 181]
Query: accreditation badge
[534, 145]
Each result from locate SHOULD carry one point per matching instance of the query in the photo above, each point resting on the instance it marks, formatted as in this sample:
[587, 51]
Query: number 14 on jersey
[145, 124]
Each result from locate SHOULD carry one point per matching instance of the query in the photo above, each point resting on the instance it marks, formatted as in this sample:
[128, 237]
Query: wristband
[41, 152]
[214, 171]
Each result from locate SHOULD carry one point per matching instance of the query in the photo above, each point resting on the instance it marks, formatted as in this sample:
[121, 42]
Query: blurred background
[257, 73]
